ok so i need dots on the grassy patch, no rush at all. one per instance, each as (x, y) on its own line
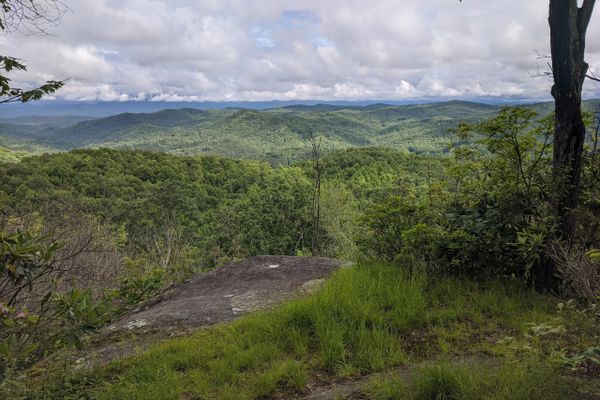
(467, 316)
(366, 319)
(353, 326)
(471, 381)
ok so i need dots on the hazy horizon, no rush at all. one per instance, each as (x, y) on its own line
(107, 108)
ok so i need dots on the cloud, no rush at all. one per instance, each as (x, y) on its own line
(192, 50)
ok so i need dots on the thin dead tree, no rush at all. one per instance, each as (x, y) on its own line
(594, 137)
(316, 200)
(596, 131)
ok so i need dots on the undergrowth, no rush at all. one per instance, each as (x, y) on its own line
(471, 382)
(366, 319)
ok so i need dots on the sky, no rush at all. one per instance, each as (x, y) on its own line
(263, 50)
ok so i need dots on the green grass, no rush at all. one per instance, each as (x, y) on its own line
(366, 319)
(469, 315)
(446, 381)
(354, 325)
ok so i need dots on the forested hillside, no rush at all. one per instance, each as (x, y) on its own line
(184, 217)
(446, 246)
(24, 136)
(279, 136)
(204, 199)
(216, 200)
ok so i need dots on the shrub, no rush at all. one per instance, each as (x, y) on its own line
(140, 281)
(578, 271)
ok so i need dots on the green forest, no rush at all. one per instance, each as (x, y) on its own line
(466, 239)
(277, 135)
(141, 222)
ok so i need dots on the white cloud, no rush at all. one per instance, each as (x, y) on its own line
(191, 50)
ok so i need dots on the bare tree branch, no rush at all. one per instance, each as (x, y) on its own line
(30, 17)
(593, 77)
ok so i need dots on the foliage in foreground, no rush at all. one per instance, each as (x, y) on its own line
(492, 214)
(366, 319)
(119, 247)
(484, 213)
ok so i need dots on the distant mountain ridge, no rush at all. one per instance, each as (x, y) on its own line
(98, 109)
(278, 135)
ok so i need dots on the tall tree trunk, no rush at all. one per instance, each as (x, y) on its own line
(568, 28)
(316, 206)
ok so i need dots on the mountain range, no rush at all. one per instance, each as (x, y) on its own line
(278, 135)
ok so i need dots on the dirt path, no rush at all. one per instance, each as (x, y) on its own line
(215, 297)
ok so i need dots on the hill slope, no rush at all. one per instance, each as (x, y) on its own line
(278, 135)
(13, 149)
